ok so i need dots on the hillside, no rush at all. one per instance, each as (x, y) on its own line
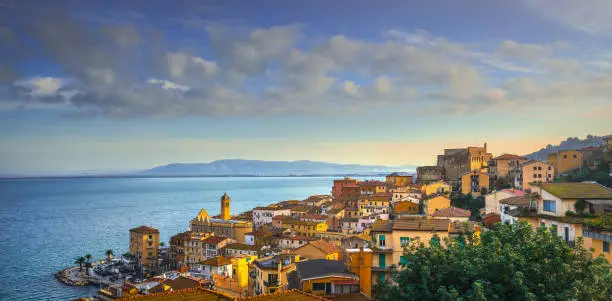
(569, 143)
(268, 168)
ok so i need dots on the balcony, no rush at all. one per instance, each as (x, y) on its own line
(382, 249)
(597, 233)
(273, 283)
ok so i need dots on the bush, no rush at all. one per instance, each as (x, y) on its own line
(511, 262)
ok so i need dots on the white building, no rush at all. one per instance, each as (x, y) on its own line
(217, 265)
(492, 199)
(249, 239)
(264, 215)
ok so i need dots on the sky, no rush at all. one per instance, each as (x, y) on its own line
(100, 86)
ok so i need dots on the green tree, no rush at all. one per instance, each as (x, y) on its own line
(88, 257)
(161, 243)
(579, 205)
(109, 254)
(80, 261)
(511, 262)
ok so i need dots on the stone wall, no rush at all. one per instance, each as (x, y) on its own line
(429, 174)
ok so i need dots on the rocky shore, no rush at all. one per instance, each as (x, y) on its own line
(72, 276)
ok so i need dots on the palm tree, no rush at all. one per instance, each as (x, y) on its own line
(88, 257)
(161, 244)
(87, 267)
(109, 254)
(80, 261)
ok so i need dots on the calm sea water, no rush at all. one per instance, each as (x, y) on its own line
(46, 223)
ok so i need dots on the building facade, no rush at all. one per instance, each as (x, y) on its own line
(565, 161)
(144, 244)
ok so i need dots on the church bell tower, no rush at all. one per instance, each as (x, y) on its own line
(225, 207)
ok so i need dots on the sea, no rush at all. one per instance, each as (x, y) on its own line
(46, 223)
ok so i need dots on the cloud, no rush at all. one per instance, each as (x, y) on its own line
(592, 16)
(167, 85)
(524, 52)
(40, 86)
(124, 71)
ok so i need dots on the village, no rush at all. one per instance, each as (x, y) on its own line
(342, 245)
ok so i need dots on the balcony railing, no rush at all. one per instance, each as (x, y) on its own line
(273, 283)
(604, 235)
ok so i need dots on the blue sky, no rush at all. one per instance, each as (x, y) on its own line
(90, 86)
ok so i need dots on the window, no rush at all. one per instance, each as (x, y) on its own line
(550, 206)
(574, 156)
(404, 241)
(381, 240)
(403, 260)
(606, 247)
(539, 167)
(539, 175)
(549, 168)
(150, 236)
(535, 168)
(535, 175)
(564, 156)
(318, 286)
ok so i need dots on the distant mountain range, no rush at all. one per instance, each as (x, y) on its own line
(569, 143)
(238, 167)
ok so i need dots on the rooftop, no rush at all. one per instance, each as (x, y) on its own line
(452, 212)
(509, 157)
(325, 247)
(421, 224)
(191, 294)
(144, 230)
(382, 226)
(523, 200)
(585, 190)
(320, 267)
(217, 261)
(240, 246)
(399, 174)
(214, 239)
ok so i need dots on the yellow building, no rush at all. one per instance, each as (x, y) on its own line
(304, 228)
(318, 249)
(558, 198)
(565, 161)
(598, 240)
(399, 179)
(144, 243)
(224, 226)
(359, 262)
(475, 182)
(535, 172)
(324, 277)
(437, 203)
(240, 269)
(439, 187)
(269, 275)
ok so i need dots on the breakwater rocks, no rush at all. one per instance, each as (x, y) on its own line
(71, 276)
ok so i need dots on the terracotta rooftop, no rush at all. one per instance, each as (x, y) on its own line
(382, 226)
(144, 229)
(213, 240)
(240, 246)
(452, 212)
(191, 294)
(325, 247)
(314, 216)
(585, 190)
(509, 157)
(334, 210)
(217, 261)
(421, 224)
(523, 200)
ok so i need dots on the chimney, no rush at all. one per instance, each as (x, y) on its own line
(485, 147)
